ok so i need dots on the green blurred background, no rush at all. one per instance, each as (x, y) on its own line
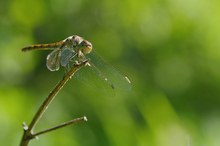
(170, 50)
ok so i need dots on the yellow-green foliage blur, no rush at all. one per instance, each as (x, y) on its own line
(170, 50)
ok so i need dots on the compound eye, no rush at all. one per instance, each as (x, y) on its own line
(77, 40)
(86, 47)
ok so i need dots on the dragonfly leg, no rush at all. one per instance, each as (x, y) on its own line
(76, 62)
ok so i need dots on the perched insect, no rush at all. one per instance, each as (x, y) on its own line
(73, 47)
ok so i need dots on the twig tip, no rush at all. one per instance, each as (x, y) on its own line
(85, 118)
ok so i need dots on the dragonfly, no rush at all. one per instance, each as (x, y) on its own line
(74, 49)
(63, 51)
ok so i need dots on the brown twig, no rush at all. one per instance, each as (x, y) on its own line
(28, 130)
(74, 121)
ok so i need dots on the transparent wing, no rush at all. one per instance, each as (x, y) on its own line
(66, 55)
(110, 74)
(53, 60)
(106, 75)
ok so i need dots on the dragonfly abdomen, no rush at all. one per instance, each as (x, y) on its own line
(42, 46)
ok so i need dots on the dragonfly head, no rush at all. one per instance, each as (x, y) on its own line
(85, 46)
